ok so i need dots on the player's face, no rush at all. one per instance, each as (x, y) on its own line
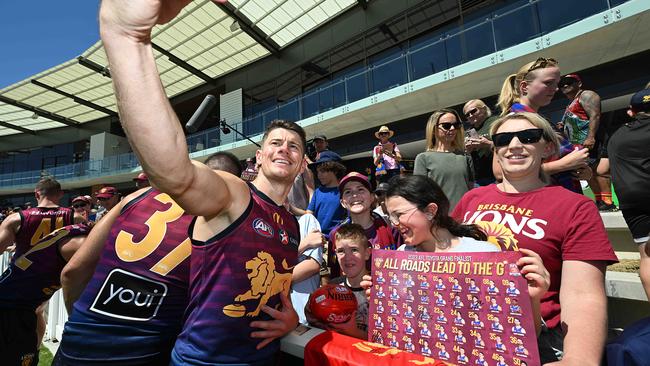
(281, 156)
(540, 90)
(356, 198)
(519, 160)
(352, 256)
(411, 222)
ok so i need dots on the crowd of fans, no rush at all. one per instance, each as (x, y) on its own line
(458, 193)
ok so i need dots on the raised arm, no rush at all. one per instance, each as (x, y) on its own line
(150, 123)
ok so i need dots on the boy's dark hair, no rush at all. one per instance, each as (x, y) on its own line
(287, 125)
(224, 161)
(47, 187)
(352, 232)
(332, 166)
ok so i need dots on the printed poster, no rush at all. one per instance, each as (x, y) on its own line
(464, 308)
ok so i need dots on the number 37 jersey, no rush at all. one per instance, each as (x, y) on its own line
(138, 292)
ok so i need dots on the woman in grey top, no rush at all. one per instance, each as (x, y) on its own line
(444, 160)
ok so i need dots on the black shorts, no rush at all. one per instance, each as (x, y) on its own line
(638, 220)
(18, 337)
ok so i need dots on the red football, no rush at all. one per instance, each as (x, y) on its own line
(332, 304)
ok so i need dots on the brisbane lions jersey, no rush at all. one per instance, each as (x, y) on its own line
(37, 222)
(33, 277)
(233, 275)
(138, 293)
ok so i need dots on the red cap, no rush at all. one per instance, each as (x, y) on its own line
(354, 176)
(81, 198)
(141, 177)
(572, 76)
(107, 192)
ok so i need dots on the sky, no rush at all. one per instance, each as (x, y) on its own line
(36, 35)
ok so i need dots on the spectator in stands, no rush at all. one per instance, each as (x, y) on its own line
(82, 206)
(352, 252)
(107, 197)
(478, 140)
(444, 160)
(581, 122)
(386, 155)
(320, 144)
(357, 198)
(565, 228)
(531, 88)
(380, 196)
(141, 181)
(630, 164)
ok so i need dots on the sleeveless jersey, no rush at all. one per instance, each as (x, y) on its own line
(232, 275)
(33, 277)
(138, 293)
(37, 222)
(576, 122)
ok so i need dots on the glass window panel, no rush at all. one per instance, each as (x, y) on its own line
(428, 60)
(551, 18)
(356, 87)
(389, 74)
(310, 104)
(523, 20)
(290, 110)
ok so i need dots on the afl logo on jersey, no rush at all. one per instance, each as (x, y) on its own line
(262, 228)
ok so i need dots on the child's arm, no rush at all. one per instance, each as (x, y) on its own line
(349, 328)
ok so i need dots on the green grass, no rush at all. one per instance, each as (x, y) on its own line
(45, 357)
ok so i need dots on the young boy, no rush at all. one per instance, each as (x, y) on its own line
(352, 252)
(325, 203)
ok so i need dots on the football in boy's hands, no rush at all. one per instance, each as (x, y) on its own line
(332, 304)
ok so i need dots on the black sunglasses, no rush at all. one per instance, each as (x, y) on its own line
(448, 125)
(77, 205)
(471, 112)
(529, 136)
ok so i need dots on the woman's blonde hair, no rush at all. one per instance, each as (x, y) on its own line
(479, 104)
(510, 93)
(432, 124)
(548, 134)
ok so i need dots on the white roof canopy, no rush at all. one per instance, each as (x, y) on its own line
(206, 41)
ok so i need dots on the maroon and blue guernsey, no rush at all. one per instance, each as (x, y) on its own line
(34, 276)
(233, 275)
(37, 222)
(131, 310)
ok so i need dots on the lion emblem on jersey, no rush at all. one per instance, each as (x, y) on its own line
(499, 235)
(265, 282)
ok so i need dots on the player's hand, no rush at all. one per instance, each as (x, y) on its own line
(366, 283)
(589, 142)
(532, 268)
(314, 239)
(283, 322)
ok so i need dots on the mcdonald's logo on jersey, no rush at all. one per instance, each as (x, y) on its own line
(278, 219)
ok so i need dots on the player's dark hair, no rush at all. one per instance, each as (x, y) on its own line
(287, 125)
(421, 191)
(48, 186)
(352, 232)
(224, 161)
(333, 166)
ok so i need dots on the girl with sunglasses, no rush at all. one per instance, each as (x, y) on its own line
(418, 207)
(531, 88)
(565, 228)
(444, 160)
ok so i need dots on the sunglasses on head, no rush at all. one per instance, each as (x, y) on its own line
(542, 63)
(448, 125)
(529, 136)
(78, 205)
(471, 112)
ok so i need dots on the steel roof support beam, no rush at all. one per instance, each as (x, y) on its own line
(251, 29)
(41, 112)
(183, 64)
(103, 70)
(363, 3)
(17, 128)
(76, 99)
